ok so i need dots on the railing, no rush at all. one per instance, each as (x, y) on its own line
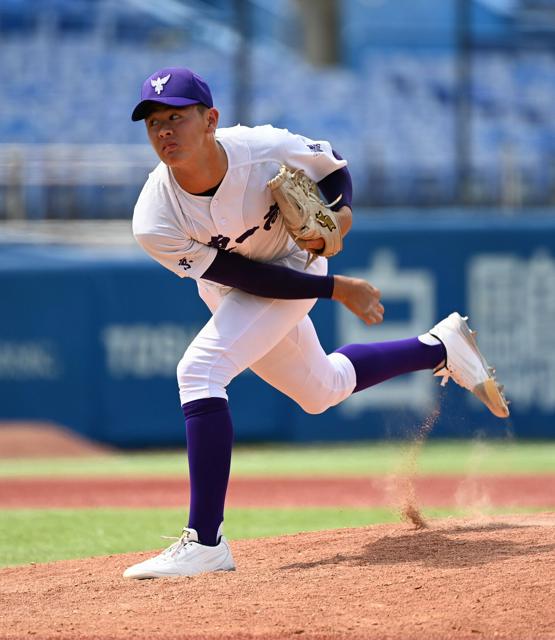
(102, 181)
(71, 181)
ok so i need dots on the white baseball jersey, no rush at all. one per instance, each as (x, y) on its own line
(184, 231)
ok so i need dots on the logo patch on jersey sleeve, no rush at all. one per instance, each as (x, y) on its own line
(316, 148)
(185, 263)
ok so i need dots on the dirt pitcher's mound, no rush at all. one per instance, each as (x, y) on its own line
(44, 440)
(458, 579)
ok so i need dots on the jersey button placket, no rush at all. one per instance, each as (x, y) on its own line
(215, 203)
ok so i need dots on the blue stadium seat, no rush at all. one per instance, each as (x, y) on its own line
(393, 116)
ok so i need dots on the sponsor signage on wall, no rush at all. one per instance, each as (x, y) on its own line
(93, 344)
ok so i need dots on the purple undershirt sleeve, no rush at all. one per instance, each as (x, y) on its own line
(267, 280)
(338, 182)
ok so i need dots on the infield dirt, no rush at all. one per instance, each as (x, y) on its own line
(44, 439)
(475, 493)
(489, 578)
(456, 579)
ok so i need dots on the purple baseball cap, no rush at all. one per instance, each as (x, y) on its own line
(174, 86)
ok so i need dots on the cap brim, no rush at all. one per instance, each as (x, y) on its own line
(144, 107)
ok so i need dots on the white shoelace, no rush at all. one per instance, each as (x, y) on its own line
(180, 541)
(445, 374)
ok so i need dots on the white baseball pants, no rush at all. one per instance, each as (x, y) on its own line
(275, 339)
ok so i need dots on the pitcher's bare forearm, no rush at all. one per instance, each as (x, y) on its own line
(360, 297)
(345, 219)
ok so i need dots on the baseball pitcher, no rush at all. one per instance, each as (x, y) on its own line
(252, 215)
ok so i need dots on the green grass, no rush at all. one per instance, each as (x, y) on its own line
(28, 535)
(364, 458)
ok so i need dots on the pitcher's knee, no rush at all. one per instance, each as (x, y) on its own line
(199, 379)
(314, 405)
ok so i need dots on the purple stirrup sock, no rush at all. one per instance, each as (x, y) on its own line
(209, 442)
(380, 361)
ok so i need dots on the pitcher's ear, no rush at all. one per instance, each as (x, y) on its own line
(213, 117)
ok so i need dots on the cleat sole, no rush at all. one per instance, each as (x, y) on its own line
(491, 395)
(489, 392)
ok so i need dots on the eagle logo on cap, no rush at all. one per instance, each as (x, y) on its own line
(158, 84)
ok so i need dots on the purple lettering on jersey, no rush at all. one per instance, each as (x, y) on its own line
(219, 242)
(248, 233)
(185, 263)
(271, 216)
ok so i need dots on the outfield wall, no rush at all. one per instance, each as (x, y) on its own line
(90, 339)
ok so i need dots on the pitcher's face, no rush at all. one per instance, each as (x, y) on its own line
(178, 135)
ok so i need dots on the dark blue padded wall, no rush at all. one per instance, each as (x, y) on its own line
(91, 339)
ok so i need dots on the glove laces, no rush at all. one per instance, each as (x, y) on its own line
(309, 189)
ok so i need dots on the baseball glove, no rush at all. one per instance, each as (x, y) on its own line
(305, 216)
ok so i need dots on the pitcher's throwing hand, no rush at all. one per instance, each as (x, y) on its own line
(360, 297)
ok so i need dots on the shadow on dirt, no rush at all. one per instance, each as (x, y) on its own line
(435, 548)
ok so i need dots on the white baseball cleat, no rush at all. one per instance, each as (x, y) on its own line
(185, 557)
(466, 365)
